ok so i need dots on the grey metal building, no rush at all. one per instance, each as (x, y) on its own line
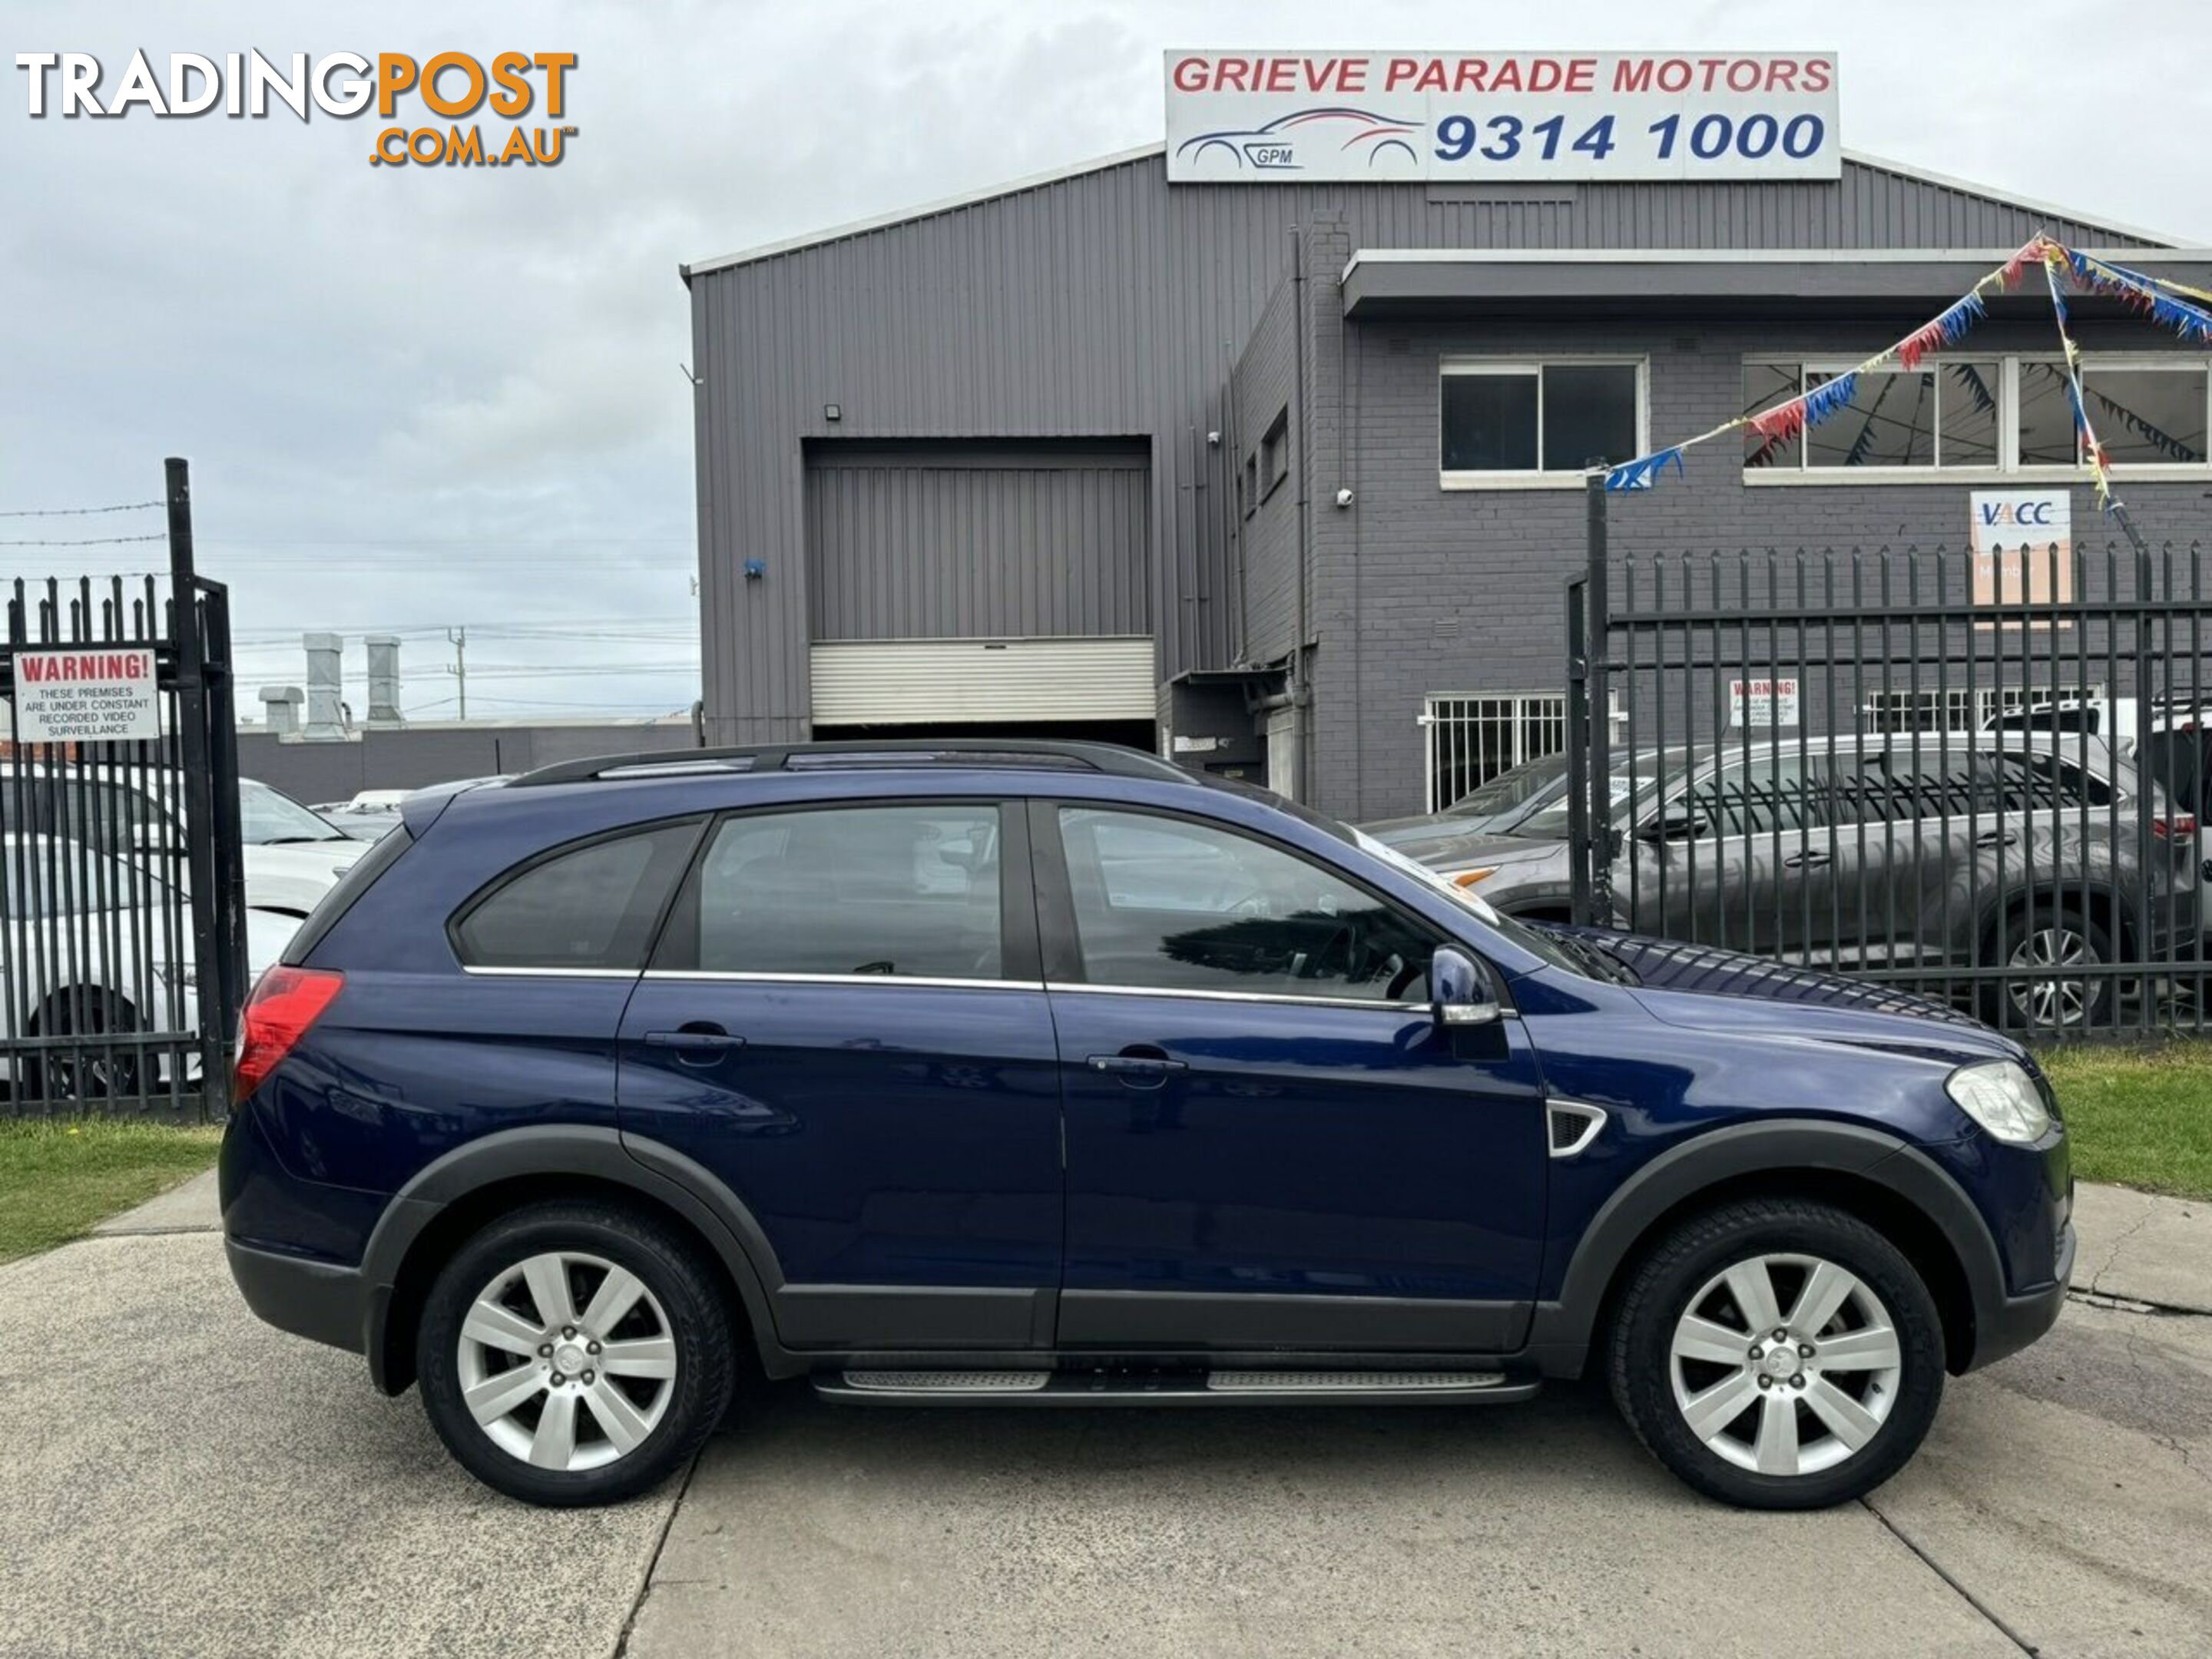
(1284, 479)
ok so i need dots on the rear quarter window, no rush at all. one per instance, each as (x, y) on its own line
(596, 905)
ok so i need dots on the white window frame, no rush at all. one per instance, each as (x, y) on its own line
(1542, 477)
(1525, 720)
(2009, 469)
(1879, 711)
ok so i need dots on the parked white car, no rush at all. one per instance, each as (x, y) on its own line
(92, 945)
(292, 858)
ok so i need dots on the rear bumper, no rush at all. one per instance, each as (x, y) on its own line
(319, 1300)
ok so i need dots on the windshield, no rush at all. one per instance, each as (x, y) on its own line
(1535, 944)
(1550, 822)
(266, 818)
(1524, 786)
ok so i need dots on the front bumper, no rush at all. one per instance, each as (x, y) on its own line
(319, 1300)
(2017, 1321)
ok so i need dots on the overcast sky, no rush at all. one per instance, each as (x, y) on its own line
(417, 399)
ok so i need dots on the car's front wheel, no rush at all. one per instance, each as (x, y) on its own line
(1779, 1353)
(574, 1353)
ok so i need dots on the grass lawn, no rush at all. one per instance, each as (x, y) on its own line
(2139, 1116)
(58, 1179)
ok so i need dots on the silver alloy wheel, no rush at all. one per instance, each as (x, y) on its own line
(1780, 1392)
(567, 1361)
(2063, 999)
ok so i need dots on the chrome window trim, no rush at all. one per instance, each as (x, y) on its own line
(1059, 987)
(486, 972)
(924, 981)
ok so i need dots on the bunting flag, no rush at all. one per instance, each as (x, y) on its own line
(2186, 311)
(2056, 259)
(1786, 420)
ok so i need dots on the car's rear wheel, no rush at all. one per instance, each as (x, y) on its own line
(88, 1070)
(1777, 1353)
(2051, 954)
(574, 1353)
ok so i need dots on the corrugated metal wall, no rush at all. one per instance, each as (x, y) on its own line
(1108, 304)
(935, 542)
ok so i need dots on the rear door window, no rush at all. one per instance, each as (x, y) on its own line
(906, 890)
(593, 906)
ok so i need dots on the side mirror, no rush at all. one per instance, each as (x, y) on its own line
(1679, 823)
(1459, 989)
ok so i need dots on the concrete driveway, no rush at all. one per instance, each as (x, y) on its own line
(182, 1480)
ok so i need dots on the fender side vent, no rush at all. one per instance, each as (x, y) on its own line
(1572, 1126)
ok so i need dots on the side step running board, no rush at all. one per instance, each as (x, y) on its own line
(1149, 1388)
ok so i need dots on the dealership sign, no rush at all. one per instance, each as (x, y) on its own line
(1290, 118)
(2023, 546)
(105, 696)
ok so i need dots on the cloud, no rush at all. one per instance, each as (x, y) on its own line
(434, 397)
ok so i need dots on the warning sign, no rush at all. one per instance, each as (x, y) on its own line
(86, 696)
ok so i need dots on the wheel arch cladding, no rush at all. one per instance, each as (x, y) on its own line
(474, 1184)
(1888, 1184)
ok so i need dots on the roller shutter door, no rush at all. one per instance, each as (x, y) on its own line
(916, 682)
(978, 581)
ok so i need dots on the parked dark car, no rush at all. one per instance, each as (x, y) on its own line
(1048, 1074)
(2011, 850)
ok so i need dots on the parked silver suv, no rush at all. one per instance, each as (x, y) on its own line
(2015, 851)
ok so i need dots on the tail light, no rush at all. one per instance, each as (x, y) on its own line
(284, 1002)
(2177, 826)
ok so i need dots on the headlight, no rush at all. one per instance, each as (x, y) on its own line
(2003, 1098)
(1470, 878)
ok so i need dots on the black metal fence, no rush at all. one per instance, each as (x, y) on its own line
(1979, 777)
(122, 910)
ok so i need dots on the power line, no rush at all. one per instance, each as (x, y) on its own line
(92, 541)
(75, 511)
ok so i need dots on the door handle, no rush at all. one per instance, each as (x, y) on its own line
(698, 1043)
(1807, 860)
(1137, 1071)
(1998, 838)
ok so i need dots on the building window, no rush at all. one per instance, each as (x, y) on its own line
(2146, 415)
(1500, 420)
(1989, 413)
(1473, 738)
(1957, 709)
(1248, 484)
(1275, 453)
(1945, 414)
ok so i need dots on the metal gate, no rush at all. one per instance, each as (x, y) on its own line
(1983, 783)
(121, 887)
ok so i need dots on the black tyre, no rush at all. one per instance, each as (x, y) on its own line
(2046, 950)
(91, 1072)
(1778, 1354)
(574, 1353)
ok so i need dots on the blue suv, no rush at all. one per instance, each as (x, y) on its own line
(1050, 1074)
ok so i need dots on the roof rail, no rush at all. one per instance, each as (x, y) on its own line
(856, 754)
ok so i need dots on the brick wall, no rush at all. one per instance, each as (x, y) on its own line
(1421, 590)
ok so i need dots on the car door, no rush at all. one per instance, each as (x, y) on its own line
(1270, 1144)
(1743, 859)
(844, 1022)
